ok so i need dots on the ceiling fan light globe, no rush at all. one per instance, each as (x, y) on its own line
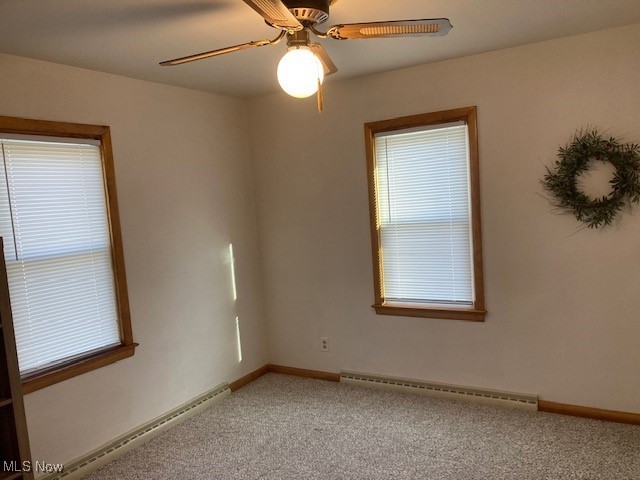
(299, 72)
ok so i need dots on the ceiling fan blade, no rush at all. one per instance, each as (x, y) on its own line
(275, 13)
(212, 53)
(325, 59)
(401, 28)
(222, 51)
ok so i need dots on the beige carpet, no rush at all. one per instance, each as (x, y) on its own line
(282, 427)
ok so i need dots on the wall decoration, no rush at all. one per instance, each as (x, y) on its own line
(587, 146)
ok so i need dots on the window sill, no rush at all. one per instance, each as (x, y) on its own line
(467, 314)
(39, 380)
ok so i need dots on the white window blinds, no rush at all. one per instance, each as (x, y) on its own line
(53, 219)
(422, 180)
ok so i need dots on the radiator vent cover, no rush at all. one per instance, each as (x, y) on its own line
(442, 390)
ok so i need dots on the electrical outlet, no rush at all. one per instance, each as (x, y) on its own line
(324, 344)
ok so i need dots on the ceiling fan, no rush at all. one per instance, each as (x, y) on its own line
(302, 70)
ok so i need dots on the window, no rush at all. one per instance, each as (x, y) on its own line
(425, 215)
(62, 247)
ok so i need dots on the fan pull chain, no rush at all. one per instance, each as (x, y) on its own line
(319, 96)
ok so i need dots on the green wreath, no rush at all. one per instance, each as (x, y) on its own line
(575, 158)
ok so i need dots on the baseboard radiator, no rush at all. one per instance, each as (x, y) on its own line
(442, 390)
(136, 437)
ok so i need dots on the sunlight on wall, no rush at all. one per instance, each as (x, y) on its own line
(232, 262)
(233, 271)
(239, 342)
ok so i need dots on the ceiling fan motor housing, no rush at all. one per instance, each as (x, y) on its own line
(309, 11)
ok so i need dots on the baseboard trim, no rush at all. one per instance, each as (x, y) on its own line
(241, 382)
(99, 457)
(588, 412)
(281, 369)
(303, 372)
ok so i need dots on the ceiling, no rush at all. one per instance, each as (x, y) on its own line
(130, 37)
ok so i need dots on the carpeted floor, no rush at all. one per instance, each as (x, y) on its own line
(282, 427)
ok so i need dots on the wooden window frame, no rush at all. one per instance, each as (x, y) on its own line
(477, 311)
(85, 363)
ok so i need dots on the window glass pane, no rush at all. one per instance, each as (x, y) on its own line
(53, 218)
(422, 179)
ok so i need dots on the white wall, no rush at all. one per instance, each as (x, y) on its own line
(186, 191)
(563, 310)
